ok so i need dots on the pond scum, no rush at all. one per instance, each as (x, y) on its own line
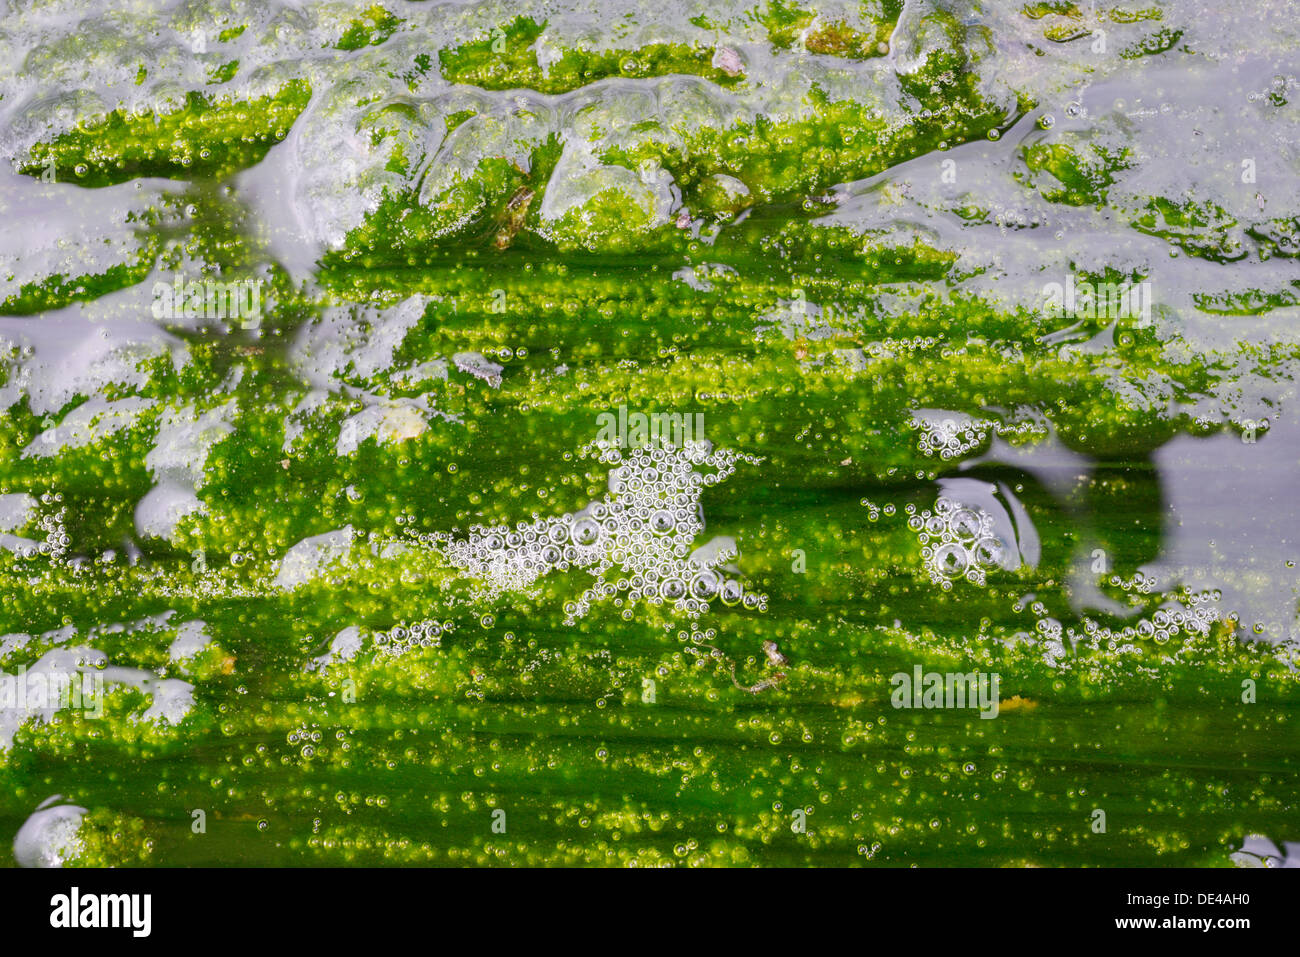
(386, 566)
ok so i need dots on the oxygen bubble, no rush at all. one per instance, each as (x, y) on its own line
(704, 585)
(731, 592)
(950, 559)
(988, 552)
(586, 532)
(672, 589)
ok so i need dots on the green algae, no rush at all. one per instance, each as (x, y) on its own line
(52, 292)
(489, 336)
(508, 60)
(788, 23)
(372, 29)
(207, 137)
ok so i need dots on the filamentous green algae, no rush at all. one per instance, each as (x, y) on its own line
(840, 433)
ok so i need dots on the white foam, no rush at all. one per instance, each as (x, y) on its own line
(49, 837)
(305, 560)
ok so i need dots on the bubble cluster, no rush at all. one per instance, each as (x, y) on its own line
(950, 435)
(1186, 615)
(636, 541)
(957, 541)
(305, 736)
(403, 637)
(698, 645)
(1141, 583)
(398, 640)
(53, 528)
(949, 438)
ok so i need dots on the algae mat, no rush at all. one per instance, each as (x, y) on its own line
(782, 433)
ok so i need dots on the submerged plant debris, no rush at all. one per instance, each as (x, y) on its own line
(589, 432)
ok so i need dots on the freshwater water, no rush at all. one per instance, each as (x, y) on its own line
(314, 319)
